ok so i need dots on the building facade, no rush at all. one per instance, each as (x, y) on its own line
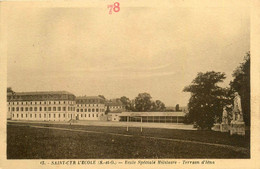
(115, 106)
(90, 107)
(41, 106)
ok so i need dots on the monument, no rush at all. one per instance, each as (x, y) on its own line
(224, 127)
(237, 123)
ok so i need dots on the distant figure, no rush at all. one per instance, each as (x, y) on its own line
(237, 110)
(224, 116)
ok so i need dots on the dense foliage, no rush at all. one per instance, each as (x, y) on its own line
(241, 84)
(207, 98)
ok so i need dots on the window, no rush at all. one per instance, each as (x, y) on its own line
(26, 115)
(22, 115)
(97, 115)
(31, 115)
(59, 102)
(85, 115)
(21, 108)
(31, 108)
(13, 109)
(17, 115)
(54, 102)
(59, 108)
(64, 108)
(77, 110)
(64, 115)
(89, 110)
(96, 110)
(49, 115)
(81, 115)
(59, 115)
(17, 108)
(40, 102)
(81, 110)
(44, 115)
(40, 108)
(85, 110)
(35, 115)
(54, 115)
(93, 110)
(54, 108)
(93, 115)
(26, 108)
(88, 115)
(49, 108)
(35, 108)
(13, 115)
(64, 102)
(45, 108)
(40, 115)
(35, 102)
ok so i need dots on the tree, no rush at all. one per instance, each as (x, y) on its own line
(143, 102)
(157, 105)
(126, 102)
(177, 107)
(241, 84)
(207, 98)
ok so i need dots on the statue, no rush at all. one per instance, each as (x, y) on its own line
(224, 116)
(237, 110)
(237, 123)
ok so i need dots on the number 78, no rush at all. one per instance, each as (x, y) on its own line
(115, 7)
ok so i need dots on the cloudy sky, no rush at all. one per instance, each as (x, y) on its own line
(151, 49)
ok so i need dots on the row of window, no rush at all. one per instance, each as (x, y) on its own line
(90, 110)
(40, 115)
(41, 108)
(50, 115)
(89, 115)
(80, 105)
(88, 100)
(45, 102)
(114, 107)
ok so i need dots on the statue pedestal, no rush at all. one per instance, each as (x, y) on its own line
(224, 127)
(216, 127)
(237, 128)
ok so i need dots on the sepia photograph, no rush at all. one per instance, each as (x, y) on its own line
(127, 80)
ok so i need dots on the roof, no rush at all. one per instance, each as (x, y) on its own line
(89, 100)
(152, 114)
(42, 93)
(40, 96)
(114, 102)
(88, 97)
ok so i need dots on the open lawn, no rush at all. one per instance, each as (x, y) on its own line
(58, 141)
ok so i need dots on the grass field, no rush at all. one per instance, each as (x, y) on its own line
(25, 142)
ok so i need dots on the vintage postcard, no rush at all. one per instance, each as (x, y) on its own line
(129, 84)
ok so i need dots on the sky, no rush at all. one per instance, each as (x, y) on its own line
(158, 50)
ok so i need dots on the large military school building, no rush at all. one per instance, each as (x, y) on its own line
(65, 106)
